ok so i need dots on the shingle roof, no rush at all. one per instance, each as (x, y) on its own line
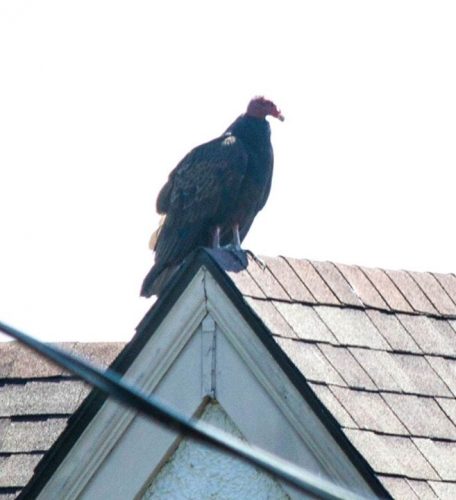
(36, 400)
(378, 349)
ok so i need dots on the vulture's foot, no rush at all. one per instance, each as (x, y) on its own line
(237, 252)
(231, 247)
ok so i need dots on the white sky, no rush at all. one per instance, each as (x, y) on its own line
(100, 99)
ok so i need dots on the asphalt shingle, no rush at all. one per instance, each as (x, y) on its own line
(418, 377)
(351, 327)
(305, 322)
(435, 292)
(380, 366)
(399, 488)
(313, 281)
(412, 292)
(422, 416)
(434, 336)
(446, 369)
(448, 282)
(16, 470)
(442, 456)
(369, 410)
(36, 398)
(387, 289)
(246, 284)
(269, 285)
(337, 283)
(21, 362)
(444, 490)
(422, 489)
(101, 353)
(393, 331)
(10, 496)
(289, 280)
(333, 405)
(449, 407)
(392, 455)
(310, 361)
(28, 436)
(271, 317)
(347, 366)
(363, 288)
(41, 398)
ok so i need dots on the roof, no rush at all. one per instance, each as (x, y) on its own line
(36, 400)
(378, 348)
(373, 350)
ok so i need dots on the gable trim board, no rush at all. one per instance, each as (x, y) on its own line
(201, 298)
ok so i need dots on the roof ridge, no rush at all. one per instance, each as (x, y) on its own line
(356, 265)
(309, 281)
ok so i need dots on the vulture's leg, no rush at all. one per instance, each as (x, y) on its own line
(236, 238)
(216, 238)
(235, 245)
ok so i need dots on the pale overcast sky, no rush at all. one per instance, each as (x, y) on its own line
(100, 99)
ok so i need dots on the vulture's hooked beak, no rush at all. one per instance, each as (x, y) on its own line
(278, 114)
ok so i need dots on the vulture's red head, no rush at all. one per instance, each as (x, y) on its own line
(260, 107)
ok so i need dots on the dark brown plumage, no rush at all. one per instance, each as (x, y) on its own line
(214, 193)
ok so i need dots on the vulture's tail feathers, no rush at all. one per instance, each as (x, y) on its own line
(154, 237)
(156, 280)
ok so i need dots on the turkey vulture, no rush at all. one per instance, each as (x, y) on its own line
(214, 193)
